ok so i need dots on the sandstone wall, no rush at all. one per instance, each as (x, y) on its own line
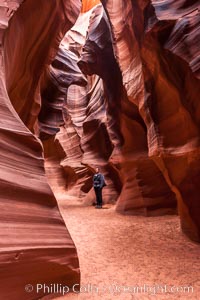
(99, 125)
(121, 93)
(35, 245)
(156, 46)
(144, 113)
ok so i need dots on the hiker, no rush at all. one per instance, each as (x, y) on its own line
(98, 184)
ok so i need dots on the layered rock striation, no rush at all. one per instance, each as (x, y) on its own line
(35, 245)
(156, 46)
(118, 90)
(99, 125)
(80, 115)
(135, 112)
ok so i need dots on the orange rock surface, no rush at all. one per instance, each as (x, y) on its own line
(98, 125)
(141, 125)
(88, 4)
(160, 71)
(35, 245)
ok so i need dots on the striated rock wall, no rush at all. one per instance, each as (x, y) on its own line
(24, 82)
(74, 104)
(156, 46)
(35, 245)
(128, 129)
(122, 94)
(97, 125)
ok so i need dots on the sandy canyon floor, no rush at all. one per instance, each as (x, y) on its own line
(118, 253)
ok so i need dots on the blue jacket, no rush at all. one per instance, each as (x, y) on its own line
(98, 180)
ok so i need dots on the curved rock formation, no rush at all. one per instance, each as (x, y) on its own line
(79, 111)
(128, 132)
(98, 111)
(121, 93)
(35, 244)
(24, 83)
(144, 125)
(154, 44)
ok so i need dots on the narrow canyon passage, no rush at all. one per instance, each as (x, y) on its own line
(129, 250)
(110, 85)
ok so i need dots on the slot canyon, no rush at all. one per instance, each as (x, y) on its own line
(113, 84)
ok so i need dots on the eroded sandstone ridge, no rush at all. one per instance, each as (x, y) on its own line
(35, 246)
(156, 44)
(122, 94)
(97, 125)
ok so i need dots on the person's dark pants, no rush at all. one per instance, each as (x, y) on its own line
(98, 192)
